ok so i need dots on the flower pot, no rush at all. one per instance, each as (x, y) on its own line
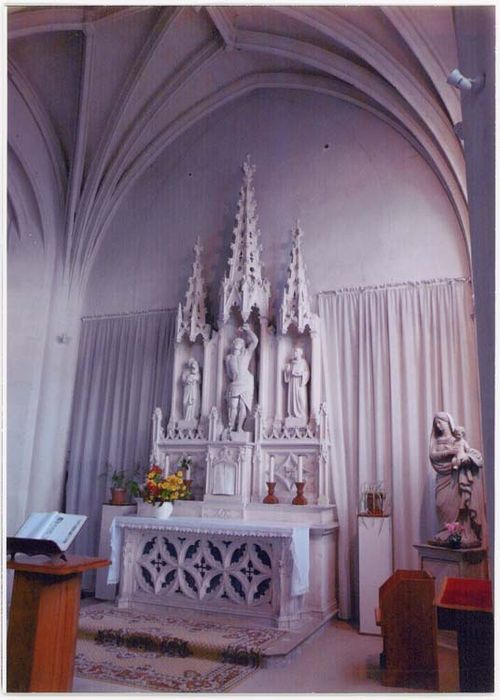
(118, 497)
(374, 503)
(148, 510)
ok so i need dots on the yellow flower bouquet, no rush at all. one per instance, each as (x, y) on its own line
(158, 488)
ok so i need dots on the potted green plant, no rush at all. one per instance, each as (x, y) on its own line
(119, 487)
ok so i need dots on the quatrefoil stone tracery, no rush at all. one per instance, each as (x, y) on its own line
(206, 568)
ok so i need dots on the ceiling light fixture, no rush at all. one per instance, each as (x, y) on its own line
(459, 81)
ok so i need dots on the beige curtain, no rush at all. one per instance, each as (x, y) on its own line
(392, 357)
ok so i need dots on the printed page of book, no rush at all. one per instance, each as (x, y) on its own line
(34, 526)
(64, 529)
(61, 528)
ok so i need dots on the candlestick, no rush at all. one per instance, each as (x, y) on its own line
(300, 499)
(270, 498)
(167, 464)
(271, 468)
(188, 473)
(300, 476)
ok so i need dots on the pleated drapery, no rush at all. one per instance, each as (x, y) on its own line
(124, 371)
(393, 357)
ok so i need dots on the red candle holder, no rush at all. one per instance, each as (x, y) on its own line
(270, 498)
(300, 499)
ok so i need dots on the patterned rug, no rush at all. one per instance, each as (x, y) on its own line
(161, 653)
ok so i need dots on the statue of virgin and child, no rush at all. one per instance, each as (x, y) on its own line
(459, 484)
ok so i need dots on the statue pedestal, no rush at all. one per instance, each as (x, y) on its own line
(441, 562)
(240, 436)
(187, 424)
(291, 422)
(375, 566)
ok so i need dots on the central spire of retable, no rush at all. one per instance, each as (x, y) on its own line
(243, 286)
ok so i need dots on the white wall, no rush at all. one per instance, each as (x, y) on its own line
(28, 281)
(371, 208)
(40, 375)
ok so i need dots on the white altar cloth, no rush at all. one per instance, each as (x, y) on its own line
(299, 539)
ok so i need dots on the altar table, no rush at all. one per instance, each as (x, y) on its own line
(256, 569)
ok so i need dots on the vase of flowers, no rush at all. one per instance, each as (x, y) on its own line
(455, 531)
(159, 510)
(156, 494)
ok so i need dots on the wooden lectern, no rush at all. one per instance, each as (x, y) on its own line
(43, 622)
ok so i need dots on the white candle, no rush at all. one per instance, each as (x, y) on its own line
(271, 468)
(300, 475)
(188, 473)
(167, 465)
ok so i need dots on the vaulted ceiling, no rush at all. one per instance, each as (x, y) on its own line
(97, 93)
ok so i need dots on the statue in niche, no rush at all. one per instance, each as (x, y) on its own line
(191, 378)
(296, 375)
(459, 489)
(241, 381)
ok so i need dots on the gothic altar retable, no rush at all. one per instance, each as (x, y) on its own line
(248, 408)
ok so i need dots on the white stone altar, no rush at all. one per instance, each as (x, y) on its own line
(248, 408)
(253, 569)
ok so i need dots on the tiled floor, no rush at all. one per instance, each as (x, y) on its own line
(335, 660)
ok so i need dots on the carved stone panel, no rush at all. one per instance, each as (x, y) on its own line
(206, 568)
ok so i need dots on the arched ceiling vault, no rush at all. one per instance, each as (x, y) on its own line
(181, 64)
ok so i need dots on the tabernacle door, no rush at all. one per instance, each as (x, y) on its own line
(224, 479)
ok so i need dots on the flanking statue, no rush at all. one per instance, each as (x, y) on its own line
(296, 374)
(240, 389)
(459, 486)
(191, 379)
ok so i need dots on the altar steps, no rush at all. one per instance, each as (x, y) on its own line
(201, 635)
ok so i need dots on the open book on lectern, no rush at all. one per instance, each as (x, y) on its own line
(46, 533)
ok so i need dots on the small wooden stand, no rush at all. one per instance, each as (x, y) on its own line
(43, 622)
(270, 498)
(32, 546)
(300, 499)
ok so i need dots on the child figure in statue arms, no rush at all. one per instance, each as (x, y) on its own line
(461, 446)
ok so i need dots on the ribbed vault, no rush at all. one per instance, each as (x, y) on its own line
(138, 77)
